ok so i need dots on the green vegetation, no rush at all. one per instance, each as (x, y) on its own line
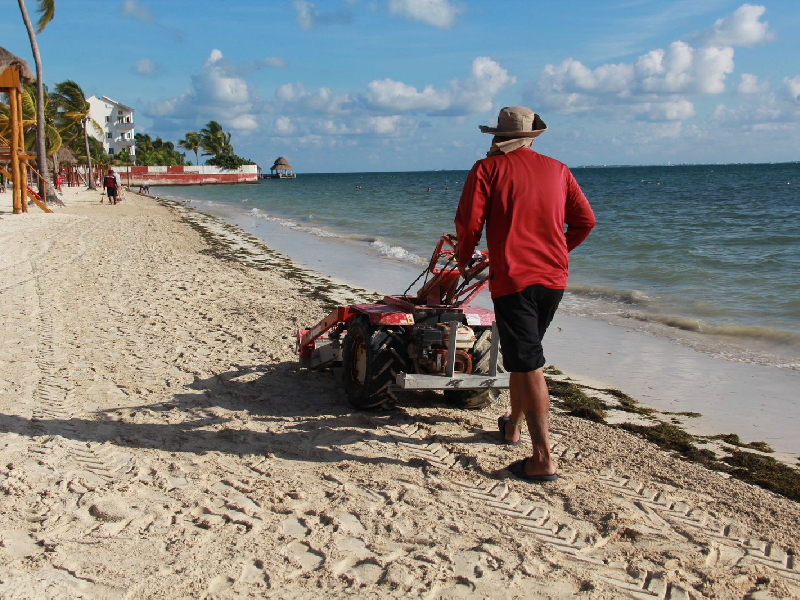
(628, 404)
(734, 440)
(571, 398)
(691, 415)
(151, 151)
(30, 100)
(46, 9)
(670, 437)
(766, 472)
(228, 161)
(74, 118)
(192, 142)
(217, 144)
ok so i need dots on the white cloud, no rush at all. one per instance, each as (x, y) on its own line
(308, 16)
(387, 125)
(295, 98)
(132, 8)
(243, 123)
(763, 109)
(283, 126)
(389, 97)
(216, 91)
(666, 71)
(677, 110)
(397, 96)
(743, 28)
(750, 84)
(712, 66)
(660, 83)
(792, 86)
(439, 13)
(472, 95)
(306, 13)
(216, 86)
(145, 67)
(273, 61)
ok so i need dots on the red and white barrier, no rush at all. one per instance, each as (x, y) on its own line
(195, 175)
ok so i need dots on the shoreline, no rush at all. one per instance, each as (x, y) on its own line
(698, 315)
(153, 419)
(748, 399)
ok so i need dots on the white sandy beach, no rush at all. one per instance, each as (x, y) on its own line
(158, 439)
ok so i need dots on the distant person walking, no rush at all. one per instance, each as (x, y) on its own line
(524, 198)
(119, 185)
(111, 186)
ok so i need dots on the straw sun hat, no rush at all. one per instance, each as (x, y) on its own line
(516, 122)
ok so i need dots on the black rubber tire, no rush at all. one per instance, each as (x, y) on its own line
(476, 399)
(371, 359)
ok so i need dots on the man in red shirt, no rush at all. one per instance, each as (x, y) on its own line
(525, 199)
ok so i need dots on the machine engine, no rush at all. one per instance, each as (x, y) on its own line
(428, 350)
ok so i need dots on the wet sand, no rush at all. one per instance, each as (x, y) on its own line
(158, 439)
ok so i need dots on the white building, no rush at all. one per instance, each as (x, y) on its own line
(117, 122)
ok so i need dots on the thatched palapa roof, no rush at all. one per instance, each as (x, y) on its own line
(66, 155)
(10, 60)
(281, 164)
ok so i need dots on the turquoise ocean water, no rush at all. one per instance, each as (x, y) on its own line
(708, 255)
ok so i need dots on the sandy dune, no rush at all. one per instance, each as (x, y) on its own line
(158, 439)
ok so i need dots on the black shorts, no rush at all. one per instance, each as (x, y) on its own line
(111, 191)
(522, 320)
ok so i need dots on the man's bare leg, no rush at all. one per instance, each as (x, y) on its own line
(530, 400)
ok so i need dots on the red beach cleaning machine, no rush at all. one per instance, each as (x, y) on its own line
(433, 340)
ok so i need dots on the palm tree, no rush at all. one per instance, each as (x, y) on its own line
(192, 142)
(46, 12)
(214, 140)
(73, 109)
(30, 121)
(30, 116)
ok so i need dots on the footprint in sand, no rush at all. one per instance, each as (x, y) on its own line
(294, 527)
(349, 523)
(302, 554)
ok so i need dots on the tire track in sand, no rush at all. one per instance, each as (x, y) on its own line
(574, 538)
(723, 540)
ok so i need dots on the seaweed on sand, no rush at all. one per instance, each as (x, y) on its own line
(571, 398)
(685, 413)
(734, 440)
(627, 403)
(766, 472)
(670, 437)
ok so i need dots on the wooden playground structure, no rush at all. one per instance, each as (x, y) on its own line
(13, 72)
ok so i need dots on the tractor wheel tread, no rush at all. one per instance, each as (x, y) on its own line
(384, 358)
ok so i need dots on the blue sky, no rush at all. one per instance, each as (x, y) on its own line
(399, 85)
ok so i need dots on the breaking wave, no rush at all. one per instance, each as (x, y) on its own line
(397, 253)
(315, 231)
(743, 332)
(633, 297)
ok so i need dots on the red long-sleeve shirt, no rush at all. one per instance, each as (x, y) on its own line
(525, 199)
